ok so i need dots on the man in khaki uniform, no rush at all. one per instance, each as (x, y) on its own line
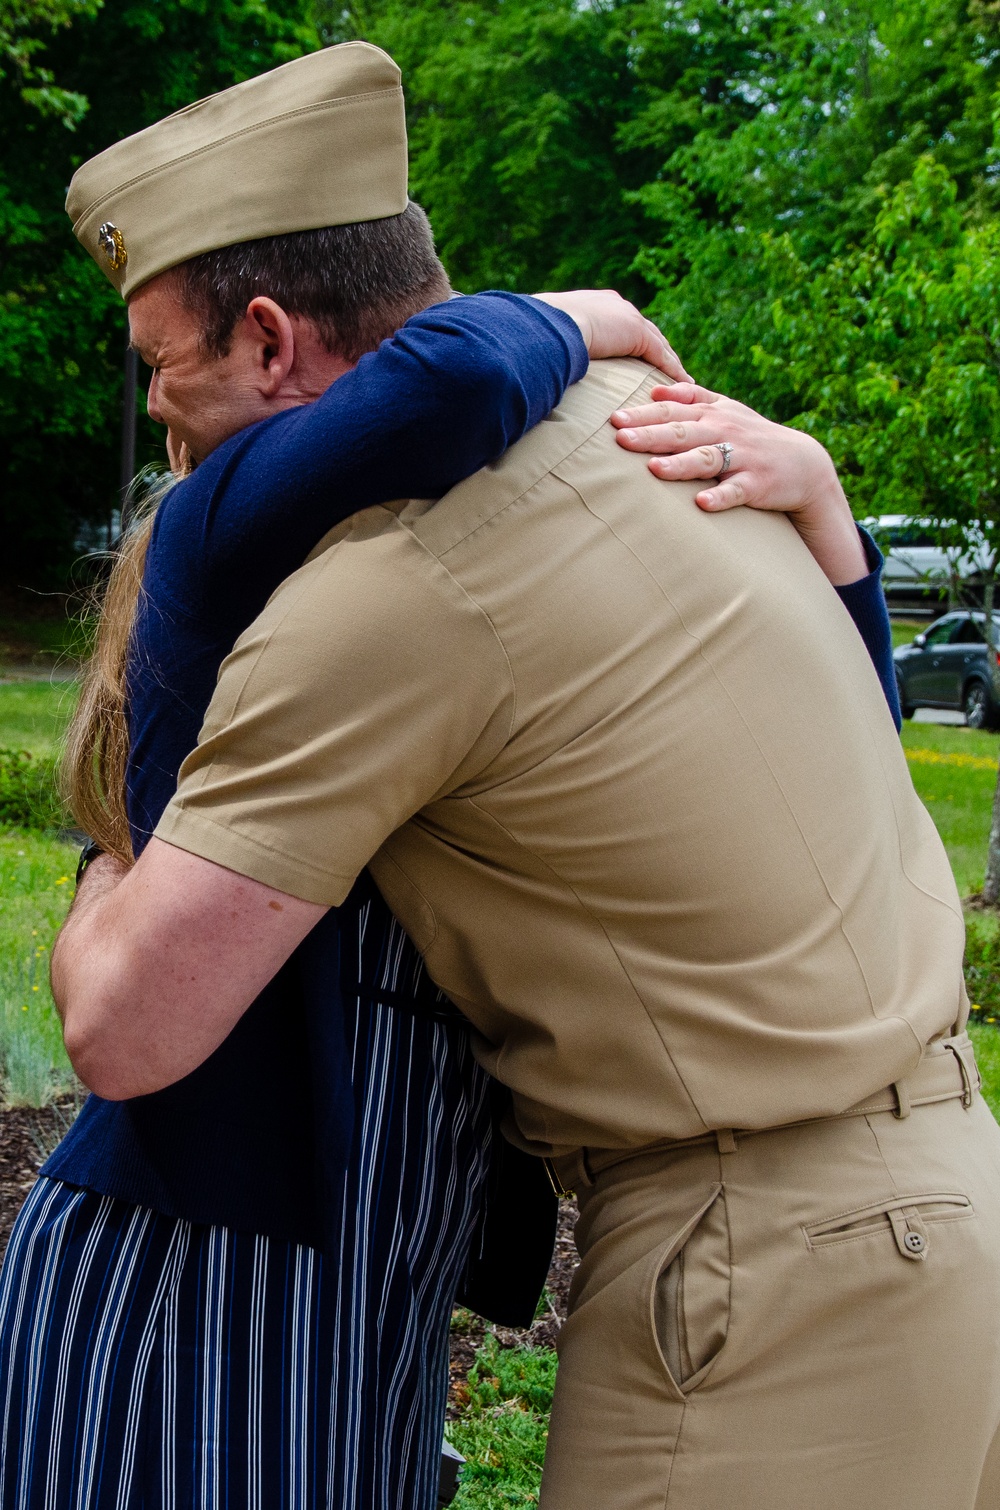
(624, 772)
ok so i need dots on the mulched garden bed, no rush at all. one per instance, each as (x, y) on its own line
(28, 1136)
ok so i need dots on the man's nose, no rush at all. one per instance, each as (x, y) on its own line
(152, 402)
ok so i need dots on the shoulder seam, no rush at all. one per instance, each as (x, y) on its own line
(549, 471)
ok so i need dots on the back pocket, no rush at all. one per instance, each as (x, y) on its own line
(907, 1218)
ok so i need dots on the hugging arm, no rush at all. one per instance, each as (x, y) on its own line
(157, 964)
(448, 393)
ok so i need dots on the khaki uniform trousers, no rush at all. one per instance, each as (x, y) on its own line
(801, 1319)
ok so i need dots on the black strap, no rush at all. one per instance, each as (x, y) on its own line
(437, 1010)
(88, 855)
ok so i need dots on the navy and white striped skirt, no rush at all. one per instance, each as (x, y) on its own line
(146, 1361)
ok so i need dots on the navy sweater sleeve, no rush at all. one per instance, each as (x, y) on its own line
(449, 392)
(865, 602)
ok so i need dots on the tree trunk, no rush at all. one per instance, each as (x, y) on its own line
(991, 886)
(989, 591)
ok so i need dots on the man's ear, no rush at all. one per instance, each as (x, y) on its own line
(271, 338)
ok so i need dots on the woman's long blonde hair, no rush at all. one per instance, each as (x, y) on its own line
(95, 759)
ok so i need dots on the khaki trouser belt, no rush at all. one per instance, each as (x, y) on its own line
(947, 1071)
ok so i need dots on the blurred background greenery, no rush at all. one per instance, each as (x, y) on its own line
(803, 194)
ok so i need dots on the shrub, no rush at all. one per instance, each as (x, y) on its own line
(982, 966)
(29, 791)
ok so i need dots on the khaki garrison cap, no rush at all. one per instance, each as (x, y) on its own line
(320, 141)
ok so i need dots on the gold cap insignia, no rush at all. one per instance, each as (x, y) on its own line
(112, 244)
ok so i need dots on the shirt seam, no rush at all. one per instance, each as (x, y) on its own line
(385, 858)
(588, 911)
(750, 734)
(547, 470)
(482, 612)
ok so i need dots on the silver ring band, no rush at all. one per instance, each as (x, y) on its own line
(727, 455)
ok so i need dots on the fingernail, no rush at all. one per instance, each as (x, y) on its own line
(629, 435)
(622, 415)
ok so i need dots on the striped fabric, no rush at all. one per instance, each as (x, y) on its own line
(151, 1362)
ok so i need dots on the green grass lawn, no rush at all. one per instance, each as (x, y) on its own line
(503, 1427)
(33, 715)
(36, 883)
(955, 772)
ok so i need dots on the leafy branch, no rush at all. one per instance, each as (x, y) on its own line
(21, 21)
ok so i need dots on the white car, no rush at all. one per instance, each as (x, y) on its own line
(917, 559)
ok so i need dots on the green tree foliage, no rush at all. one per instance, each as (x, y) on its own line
(21, 21)
(514, 112)
(715, 159)
(846, 99)
(893, 352)
(658, 145)
(62, 327)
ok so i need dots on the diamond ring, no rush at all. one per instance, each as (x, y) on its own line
(727, 455)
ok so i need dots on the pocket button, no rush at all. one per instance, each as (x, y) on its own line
(914, 1242)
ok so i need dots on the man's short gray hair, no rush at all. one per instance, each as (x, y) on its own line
(357, 283)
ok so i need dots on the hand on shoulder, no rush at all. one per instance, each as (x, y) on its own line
(752, 462)
(612, 327)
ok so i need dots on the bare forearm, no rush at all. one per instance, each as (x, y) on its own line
(155, 965)
(829, 530)
(105, 996)
(88, 966)
(74, 945)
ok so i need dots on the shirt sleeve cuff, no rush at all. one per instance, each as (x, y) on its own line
(865, 602)
(865, 596)
(579, 356)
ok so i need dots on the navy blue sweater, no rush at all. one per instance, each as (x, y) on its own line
(238, 1142)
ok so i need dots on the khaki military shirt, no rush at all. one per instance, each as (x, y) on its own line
(622, 769)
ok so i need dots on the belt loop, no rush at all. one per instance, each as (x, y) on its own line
(967, 1086)
(726, 1139)
(902, 1095)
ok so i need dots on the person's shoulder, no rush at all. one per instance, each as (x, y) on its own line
(373, 580)
(578, 422)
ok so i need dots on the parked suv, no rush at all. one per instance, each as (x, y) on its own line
(917, 565)
(950, 665)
